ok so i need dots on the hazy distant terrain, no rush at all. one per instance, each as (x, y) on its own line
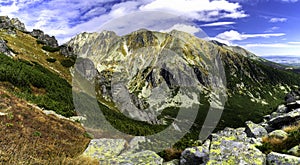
(285, 60)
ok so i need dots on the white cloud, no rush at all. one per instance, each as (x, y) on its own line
(64, 18)
(233, 35)
(267, 49)
(274, 20)
(217, 24)
(185, 28)
(289, 1)
(272, 29)
(204, 10)
(294, 43)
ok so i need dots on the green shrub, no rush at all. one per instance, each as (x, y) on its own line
(50, 49)
(52, 60)
(40, 42)
(68, 62)
(24, 75)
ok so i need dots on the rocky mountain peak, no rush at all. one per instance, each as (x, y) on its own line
(11, 24)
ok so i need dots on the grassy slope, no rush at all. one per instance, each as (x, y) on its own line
(28, 49)
(33, 137)
(35, 83)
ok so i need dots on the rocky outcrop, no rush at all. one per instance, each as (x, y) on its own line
(195, 155)
(11, 24)
(5, 49)
(117, 152)
(255, 130)
(276, 158)
(67, 51)
(232, 146)
(44, 38)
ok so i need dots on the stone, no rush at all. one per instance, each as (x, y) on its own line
(274, 158)
(45, 38)
(18, 24)
(230, 148)
(103, 149)
(144, 157)
(285, 119)
(278, 134)
(281, 109)
(295, 151)
(172, 162)
(195, 155)
(5, 49)
(67, 51)
(255, 130)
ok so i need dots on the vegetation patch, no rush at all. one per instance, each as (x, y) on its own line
(31, 137)
(282, 145)
(50, 49)
(38, 85)
(51, 60)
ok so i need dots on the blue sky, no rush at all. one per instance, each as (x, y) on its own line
(265, 27)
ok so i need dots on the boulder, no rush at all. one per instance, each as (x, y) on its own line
(144, 157)
(67, 51)
(295, 151)
(45, 38)
(195, 155)
(278, 134)
(18, 24)
(172, 162)
(255, 130)
(281, 109)
(103, 149)
(276, 158)
(5, 49)
(11, 24)
(232, 147)
(286, 119)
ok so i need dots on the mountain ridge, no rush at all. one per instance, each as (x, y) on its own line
(150, 62)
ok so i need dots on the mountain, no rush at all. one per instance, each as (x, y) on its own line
(147, 62)
(141, 84)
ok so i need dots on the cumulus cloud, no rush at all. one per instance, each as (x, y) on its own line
(233, 35)
(64, 18)
(204, 10)
(217, 24)
(185, 28)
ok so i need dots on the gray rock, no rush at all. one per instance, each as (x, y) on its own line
(231, 148)
(144, 157)
(285, 119)
(282, 159)
(103, 149)
(11, 24)
(5, 49)
(281, 109)
(195, 155)
(255, 130)
(172, 162)
(18, 24)
(49, 41)
(278, 134)
(67, 51)
(295, 151)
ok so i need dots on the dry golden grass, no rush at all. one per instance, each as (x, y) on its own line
(28, 136)
(292, 128)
